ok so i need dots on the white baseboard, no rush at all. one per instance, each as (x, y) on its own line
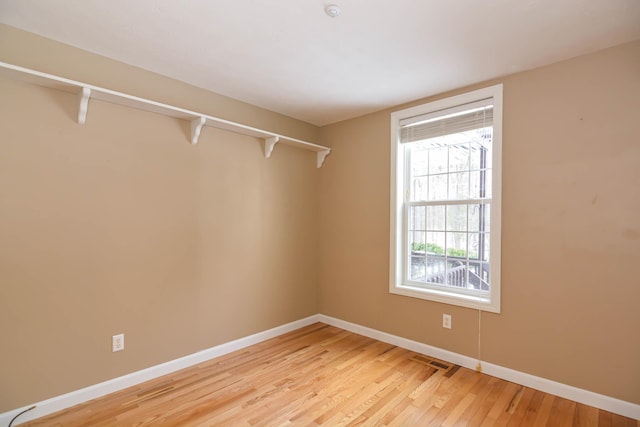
(58, 403)
(586, 397)
(64, 401)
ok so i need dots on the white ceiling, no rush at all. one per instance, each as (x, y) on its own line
(288, 56)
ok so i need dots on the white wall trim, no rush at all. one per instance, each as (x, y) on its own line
(64, 401)
(586, 397)
(67, 400)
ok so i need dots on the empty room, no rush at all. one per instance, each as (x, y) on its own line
(241, 213)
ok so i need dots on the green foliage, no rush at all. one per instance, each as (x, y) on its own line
(432, 248)
(457, 252)
(417, 247)
(435, 249)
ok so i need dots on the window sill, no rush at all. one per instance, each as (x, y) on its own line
(452, 298)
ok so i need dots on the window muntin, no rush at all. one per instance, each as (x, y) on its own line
(444, 201)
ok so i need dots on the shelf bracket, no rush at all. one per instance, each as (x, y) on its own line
(321, 156)
(269, 143)
(196, 129)
(83, 99)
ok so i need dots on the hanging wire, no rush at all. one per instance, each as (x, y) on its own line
(14, 418)
(479, 365)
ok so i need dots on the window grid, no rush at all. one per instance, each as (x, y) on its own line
(477, 262)
(451, 269)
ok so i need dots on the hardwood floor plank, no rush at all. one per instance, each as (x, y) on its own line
(321, 375)
(521, 409)
(493, 390)
(585, 416)
(466, 380)
(480, 390)
(459, 409)
(533, 408)
(545, 410)
(515, 401)
(605, 419)
(563, 411)
(499, 413)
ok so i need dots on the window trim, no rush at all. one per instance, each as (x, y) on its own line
(397, 205)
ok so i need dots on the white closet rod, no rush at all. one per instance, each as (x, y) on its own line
(198, 120)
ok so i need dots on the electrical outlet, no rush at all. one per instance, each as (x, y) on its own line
(446, 321)
(117, 342)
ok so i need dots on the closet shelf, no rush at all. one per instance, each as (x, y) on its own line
(86, 92)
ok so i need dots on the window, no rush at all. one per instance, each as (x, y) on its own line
(445, 200)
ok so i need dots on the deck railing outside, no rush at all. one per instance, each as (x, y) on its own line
(450, 271)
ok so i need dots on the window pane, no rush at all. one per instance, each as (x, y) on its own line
(487, 217)
(458, 186)
(419, 161)
(419, 189)
(417, 243)
(488, 182)
(435, 243)
(479, 217)
(480, 184)
(474, 184)
(417, 218)
(435, 218)
(486, 241)
(457, 245)
(474, 217)
(479, 246)
(457, 276)
(475, 155)
(474, 245)
(486, 285)
(459, 157)
(437, 187)
(479, 276)
(488, 152)
(438, 160)
(417, 269)
(417, 251)
(457, 217)
(436, 269)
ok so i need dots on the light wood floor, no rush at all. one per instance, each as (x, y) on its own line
(322, 375)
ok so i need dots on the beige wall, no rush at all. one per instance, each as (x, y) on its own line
(120, 225)
(571, 229)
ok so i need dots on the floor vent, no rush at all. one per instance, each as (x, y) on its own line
(434, 363)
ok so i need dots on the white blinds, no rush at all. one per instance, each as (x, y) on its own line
(475, 115)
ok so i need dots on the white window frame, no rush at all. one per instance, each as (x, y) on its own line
(399, 196)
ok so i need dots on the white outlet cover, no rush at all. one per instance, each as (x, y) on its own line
(117, 342)
(446, 321)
